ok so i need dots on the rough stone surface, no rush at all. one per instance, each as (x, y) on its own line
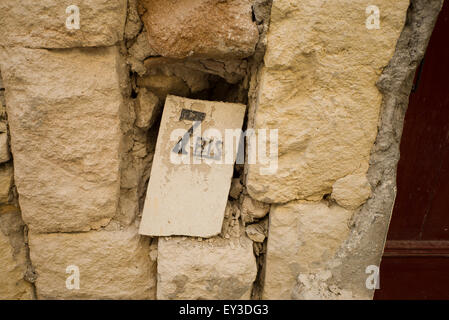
(148, 108)
(351, 191)
(201, 28)
(210, 269)
(64, 117)
(232, 70)
(253, 209)
(236, 188)
(138, 52)
(6, 179)
(302, 236)
(112, 265)
(168, 76)
(313, 286)
(257, 231)
(13, 263)
(133, 23)
(42, 24)
(318, 87)
(4, 147)
(189, 198)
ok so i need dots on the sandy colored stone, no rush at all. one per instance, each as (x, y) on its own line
(302, 237)
(4, 147)
(42, 24)
(318, 88)
(141, 48)
(13, 265)
(165, 76)
(63, 112)
(148, 108)
(369, 227)
(138, 52)
(189, 198)
(253, 209)
(315, 286)
(112, 265)
(236, 188)
(133, 23)
(6, 179)
(200, 28)
(351, 191)
(212, 269)
(257, 231)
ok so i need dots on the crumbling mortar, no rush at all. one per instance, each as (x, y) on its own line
(255, 66)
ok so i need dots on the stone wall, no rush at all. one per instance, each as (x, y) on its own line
(81, 109)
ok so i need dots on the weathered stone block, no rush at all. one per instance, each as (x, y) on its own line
(318, 87)
(13, 264)
(201, 28)
(187, 193)
(210, 269)
(42, 24)
(111, 264)
(302, 237)
(63, 111)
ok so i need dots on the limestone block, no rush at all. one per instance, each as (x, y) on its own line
(111, 264)
(187, 193)
(148, 108)
(318, 88)
(201, 28)
(63, 112)
(42, 24)
(210, 269)
(302, 237)
(13, 265)
(351, 191)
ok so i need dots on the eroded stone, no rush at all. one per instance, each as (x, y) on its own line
(148, 108)
(318, 87)
(201, 28)
(351, 191)
(302, 237)
(6, 179)
(65, 134)
(42, 24)
(212, 269)
(112, 265)
(13, 264)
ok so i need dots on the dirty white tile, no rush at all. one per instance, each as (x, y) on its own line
(189, 184)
